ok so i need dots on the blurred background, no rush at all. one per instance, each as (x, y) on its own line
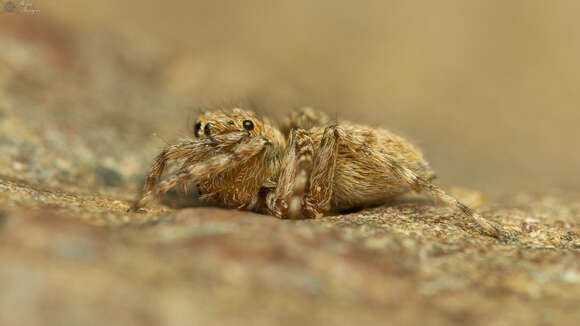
(488, 89)
(90, 91)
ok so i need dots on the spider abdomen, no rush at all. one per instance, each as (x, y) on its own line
(362, 178)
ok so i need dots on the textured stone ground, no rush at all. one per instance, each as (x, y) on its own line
(72, 258)
(76, 118)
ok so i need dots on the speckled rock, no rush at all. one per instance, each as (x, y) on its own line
(67, 258)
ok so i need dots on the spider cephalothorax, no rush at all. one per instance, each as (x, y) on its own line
(243, 161)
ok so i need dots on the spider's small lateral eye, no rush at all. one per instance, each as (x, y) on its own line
(248, 125)
(206, 130)
(196, 129)
(231, 123)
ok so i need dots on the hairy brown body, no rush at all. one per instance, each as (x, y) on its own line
(360, 177)
(245, 162)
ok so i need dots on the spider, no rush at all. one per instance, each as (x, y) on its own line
(243, 161)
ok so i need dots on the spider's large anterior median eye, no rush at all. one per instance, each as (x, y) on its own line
(248, 125)
(196, 129)
(207, 130)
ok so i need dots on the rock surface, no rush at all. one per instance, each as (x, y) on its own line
(70, 258)
(71, 161)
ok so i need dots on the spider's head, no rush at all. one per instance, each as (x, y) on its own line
(236, 120)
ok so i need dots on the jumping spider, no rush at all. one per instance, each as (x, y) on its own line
(243, 161)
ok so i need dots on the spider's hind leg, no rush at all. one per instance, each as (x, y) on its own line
(421, 184)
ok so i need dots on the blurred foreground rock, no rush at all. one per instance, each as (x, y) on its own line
(70, 259)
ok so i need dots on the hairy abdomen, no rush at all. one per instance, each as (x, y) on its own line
(362, 178)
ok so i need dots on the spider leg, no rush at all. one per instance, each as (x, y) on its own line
(239, 154)
(277, 200)
(173, 152)
(311, 192)
(191, 150)
(322, 177)
(422, 185)
(287, 199)
(305, 118)
(304, 153)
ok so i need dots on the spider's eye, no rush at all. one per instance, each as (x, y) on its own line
(206, 130)
(196, 129)
(249, 125)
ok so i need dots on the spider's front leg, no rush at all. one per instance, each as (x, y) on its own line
(192, 151)
(238, 155)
